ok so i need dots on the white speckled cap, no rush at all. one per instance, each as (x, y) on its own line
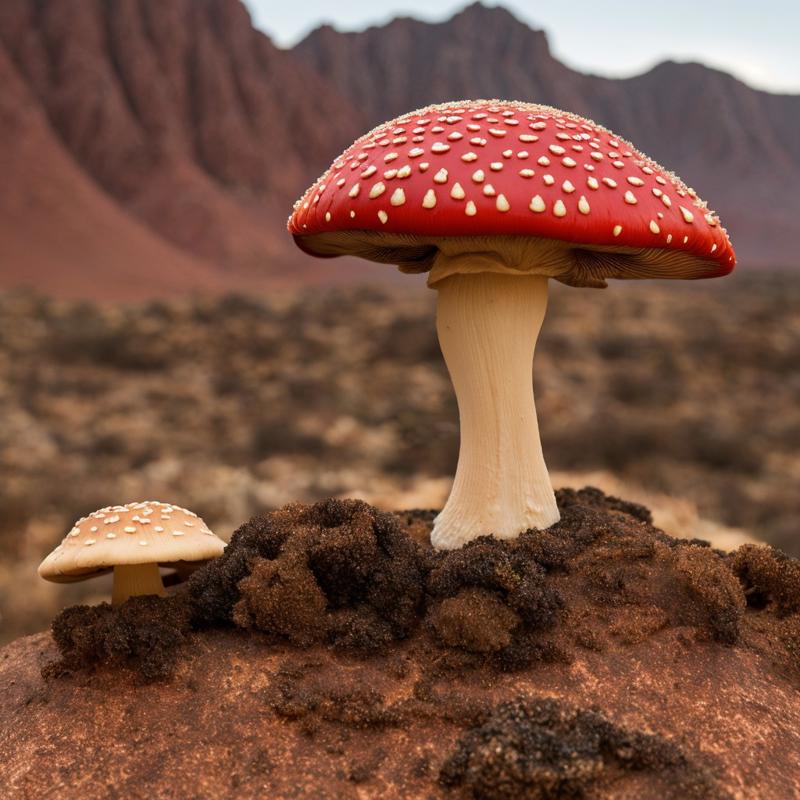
(136, 533)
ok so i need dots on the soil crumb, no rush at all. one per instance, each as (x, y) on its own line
(541, 748)
(342, 574)
(771, 579)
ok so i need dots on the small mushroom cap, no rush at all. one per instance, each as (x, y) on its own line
(135, 533)
(495, 169)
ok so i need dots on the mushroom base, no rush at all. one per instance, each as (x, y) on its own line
(488, 324)
(131, 580)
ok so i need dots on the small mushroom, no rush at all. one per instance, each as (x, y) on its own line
(132, 540)
(496, 198)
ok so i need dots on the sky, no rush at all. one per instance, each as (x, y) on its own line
(755, 41)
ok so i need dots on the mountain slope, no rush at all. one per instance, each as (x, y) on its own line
(184, 113)
(59, 231)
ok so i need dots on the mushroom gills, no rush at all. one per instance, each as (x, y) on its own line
(488, 324)
(131, 580)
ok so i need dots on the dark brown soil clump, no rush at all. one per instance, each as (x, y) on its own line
(143, 634)
(542, 749)
(338, 571)
(771, 579)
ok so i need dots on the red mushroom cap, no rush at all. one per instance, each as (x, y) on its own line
(498, 168)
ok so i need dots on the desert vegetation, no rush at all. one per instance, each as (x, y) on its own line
(236, 405)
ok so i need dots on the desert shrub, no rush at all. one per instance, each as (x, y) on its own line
(85, 336)
(272, 436)
(408, 341)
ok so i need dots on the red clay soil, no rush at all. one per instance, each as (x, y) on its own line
(330, 653)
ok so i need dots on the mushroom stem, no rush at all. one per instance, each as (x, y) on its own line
(488, 324)
(131, 580)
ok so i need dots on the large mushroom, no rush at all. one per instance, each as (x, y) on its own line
(493, 198)
(132, 540)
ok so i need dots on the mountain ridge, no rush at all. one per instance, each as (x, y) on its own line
(185, 119)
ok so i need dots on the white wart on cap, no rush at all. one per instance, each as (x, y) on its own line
(497, 168)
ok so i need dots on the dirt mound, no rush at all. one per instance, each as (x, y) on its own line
(343, 574)
(329, 652)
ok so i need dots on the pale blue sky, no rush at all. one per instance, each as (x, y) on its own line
(756, 41)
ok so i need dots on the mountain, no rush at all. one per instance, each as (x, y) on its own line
(737, 146)
(185, 117)
(59, 231)
(149, 147)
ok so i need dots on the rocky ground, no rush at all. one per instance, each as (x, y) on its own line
(234, 406)
(331, 653)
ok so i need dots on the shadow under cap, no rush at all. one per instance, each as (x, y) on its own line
(572, 265)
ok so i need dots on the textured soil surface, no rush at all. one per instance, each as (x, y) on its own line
(331, 653)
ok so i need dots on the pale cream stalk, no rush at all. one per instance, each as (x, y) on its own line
(131, 580)
(488, 323)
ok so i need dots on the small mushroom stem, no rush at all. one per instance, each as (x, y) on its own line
(131, 580)
(488, 324)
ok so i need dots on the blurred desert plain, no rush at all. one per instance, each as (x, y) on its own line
(683, 396)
